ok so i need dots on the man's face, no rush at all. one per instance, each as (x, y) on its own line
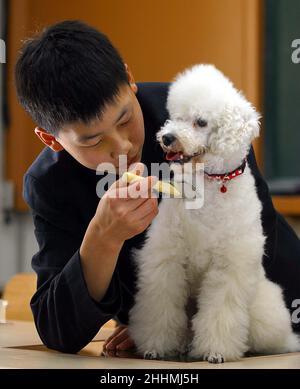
(119, 132)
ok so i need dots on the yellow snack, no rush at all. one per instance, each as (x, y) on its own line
(160, 186)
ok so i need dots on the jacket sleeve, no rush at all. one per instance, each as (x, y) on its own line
(66, 316)
(282, 250)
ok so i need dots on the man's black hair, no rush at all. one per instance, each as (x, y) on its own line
(68, 73)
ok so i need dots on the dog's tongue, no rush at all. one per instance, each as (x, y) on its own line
(171, 156)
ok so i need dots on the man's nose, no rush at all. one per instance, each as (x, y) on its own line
(121, 145)
(168, 139)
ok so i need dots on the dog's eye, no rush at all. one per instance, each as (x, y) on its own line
(201, 122)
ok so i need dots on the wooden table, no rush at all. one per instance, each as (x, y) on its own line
(21, 347)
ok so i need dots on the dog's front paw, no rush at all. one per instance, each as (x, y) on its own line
(151, 354)
(213, 357)
(209, 356)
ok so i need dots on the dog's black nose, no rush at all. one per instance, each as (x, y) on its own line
(168, 139)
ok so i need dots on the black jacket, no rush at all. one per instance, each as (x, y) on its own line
(62, 195)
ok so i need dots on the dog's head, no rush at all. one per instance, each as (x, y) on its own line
(207, 116)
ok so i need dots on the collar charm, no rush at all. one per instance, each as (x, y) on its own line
(227, 176)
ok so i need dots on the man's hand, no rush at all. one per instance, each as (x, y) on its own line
(119, 340)
(126, 210)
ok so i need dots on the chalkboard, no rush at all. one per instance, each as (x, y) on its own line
(282, 89)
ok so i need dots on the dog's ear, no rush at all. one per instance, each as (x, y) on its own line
(236, 127)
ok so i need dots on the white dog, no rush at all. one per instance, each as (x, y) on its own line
(212, 254)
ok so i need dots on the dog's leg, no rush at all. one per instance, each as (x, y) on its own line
(270, 322)
(221, 326)
(157, 321)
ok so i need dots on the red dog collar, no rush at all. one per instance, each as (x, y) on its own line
(227, 176)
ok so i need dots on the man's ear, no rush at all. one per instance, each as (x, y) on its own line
(133, 85)
(48, 139)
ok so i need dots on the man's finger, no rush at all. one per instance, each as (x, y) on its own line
(142, 188)
(115, 333)
(127, 344)
(117, 340)
(136, 168)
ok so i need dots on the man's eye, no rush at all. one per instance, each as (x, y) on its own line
(127, 121)
(201, 122)
(96, 144)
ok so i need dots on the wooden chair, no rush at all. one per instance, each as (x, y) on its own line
(18, 292)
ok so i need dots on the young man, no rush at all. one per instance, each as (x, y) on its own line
(89, 110)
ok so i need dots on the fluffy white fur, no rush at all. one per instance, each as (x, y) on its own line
(213, 254)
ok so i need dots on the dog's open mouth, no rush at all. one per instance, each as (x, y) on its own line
(179, 156)
(174, 156)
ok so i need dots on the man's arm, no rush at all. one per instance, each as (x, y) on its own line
(66, 316)
(78, 283)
